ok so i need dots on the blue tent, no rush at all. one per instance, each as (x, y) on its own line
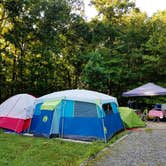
(76, 114)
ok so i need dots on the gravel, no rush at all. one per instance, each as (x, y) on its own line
(141, 148)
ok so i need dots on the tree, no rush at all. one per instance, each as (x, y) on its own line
(35, 43)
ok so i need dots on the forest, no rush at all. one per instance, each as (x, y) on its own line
(49, 45)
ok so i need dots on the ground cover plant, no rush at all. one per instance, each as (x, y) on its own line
(18, 150)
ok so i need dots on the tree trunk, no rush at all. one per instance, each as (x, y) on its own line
(13, 75)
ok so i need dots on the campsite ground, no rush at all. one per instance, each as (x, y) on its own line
(18, 150)
(142, 147)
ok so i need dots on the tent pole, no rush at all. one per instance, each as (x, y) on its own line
(63, 114)
(105, 139)
(13, 106)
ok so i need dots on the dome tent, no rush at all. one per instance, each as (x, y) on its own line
(16, 112)
(130, 118)
(76, 114)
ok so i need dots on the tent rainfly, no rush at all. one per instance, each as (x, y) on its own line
(16, 112)
(149, 89)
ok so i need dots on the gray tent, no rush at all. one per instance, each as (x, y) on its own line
(149, 89)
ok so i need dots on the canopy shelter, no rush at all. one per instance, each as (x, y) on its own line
(149, 89)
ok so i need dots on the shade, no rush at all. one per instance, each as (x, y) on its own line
(149, 89)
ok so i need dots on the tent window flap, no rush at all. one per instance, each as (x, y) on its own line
(82, 109)
(107, 108)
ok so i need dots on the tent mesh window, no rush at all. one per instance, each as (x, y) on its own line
(83, 109)
(107, 108)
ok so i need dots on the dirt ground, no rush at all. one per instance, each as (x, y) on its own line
(156, 125)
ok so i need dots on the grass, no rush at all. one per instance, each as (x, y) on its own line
(97, 156)
(18, 150)
(117, 136)
(148, 130)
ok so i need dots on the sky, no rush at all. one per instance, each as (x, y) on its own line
(149, 6)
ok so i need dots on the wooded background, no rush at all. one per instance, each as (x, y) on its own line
(48, 46)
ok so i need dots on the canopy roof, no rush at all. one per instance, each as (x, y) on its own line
(79, 95)
(149, 89)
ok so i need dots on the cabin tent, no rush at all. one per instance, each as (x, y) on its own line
(16, 112)
(130, 118)
(76, 114)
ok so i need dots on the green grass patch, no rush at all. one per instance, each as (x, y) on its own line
(118, 136)
(148, 130)
(95, 155)
(18, 150)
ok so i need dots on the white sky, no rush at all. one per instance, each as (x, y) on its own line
(150, 6)
(90, 11)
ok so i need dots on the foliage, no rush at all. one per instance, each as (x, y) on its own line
(48, 46)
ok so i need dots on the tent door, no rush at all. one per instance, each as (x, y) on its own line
(45, 122)
(56, 121)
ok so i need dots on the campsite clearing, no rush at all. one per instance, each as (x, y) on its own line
(17, 150)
